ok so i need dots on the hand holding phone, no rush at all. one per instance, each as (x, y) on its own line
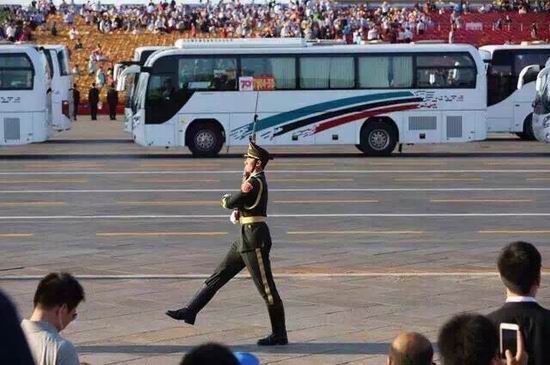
(512, 345)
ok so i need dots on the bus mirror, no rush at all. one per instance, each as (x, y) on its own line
(527, 75)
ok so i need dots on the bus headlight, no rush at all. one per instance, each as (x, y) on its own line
(546, 122)
(547, 138)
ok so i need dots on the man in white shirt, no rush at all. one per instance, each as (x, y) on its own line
(55, 302)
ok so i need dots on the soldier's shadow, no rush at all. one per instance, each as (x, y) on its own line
(345, 348)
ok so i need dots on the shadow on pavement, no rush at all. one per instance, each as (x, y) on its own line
(347, 348)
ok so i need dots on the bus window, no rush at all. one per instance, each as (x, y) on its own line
(16, 72)
(445, 71)
(50, 62)
(281, 69)
(62, 61)
(217, 74)
(385, 72)
(327, 73)
(501, 82)
(526, 59)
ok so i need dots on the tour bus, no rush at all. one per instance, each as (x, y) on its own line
(374, 96)
(62, 85)
(25, 95)
(125, 75)
(541, 105)
(508, 108)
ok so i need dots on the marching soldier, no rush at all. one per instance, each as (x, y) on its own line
(250, 251)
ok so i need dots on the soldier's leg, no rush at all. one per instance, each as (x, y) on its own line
(259, 266)
(230, 266)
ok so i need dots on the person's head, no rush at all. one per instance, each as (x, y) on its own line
(256, 158)
(410, 349)
(210, 354)
(56, 298)
(468, 339)
(93, 84)
(519, 265)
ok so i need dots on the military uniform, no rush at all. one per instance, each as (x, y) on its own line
(251, 250)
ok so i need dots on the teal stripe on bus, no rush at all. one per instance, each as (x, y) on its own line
(280, 118)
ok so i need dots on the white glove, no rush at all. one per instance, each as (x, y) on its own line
(234, 217)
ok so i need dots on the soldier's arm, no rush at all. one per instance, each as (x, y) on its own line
(245, 197)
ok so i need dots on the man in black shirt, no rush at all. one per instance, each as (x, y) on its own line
(76, 101)
(252, 250)
(93, 100)
(112, 100)
(519, 265)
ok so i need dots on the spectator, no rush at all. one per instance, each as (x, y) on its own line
(93, 100)
(55, 303)
(73, 33)
(92, 65)
(100, 77)
(53, 30)
(519, 265)
(112, 100)
(76, 100)
(472, 339)
(410, 349)
(210, 354)
(14, 349)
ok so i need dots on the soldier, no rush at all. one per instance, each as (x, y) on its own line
(250, 251)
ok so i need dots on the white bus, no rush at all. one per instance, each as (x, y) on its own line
(541, 105)
(509, 109)
(25, 95)
(373, 97)
(126, 74)
(62, 85)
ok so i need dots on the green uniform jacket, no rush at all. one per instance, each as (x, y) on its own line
(251, 203)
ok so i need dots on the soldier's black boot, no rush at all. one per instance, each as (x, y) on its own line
(279, 336)
(188, 314)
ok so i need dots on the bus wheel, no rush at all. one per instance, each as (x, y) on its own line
(205, 139)
(378, 138)
(528, 133)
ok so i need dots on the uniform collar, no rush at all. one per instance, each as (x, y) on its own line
(520, 299)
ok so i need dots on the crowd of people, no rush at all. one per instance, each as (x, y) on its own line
(310, 19)
(465, 339)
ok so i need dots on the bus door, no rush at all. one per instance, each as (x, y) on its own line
(524, 96)
(128, 73)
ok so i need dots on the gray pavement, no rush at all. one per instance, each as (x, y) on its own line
(363, 248)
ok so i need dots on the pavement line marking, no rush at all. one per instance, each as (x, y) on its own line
(15, 235)
(302, 164)
(224, 216)
(427, 179)
(355, 201)
(23, 203)
(181, 164)
(311, 180)
(169, 202)
(288, 190)
(354, 232)
(281, 276)
(419, 163)
(158, 234)
(61, 165)
(516, 232)
(239, 172)
(481, 200)
(539, 179)
(170, 181)
(72, 181)
(521, 163)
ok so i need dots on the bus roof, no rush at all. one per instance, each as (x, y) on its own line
(139, 50)
(337, 49)
(240, 43)
(18, 48)
(492, 48)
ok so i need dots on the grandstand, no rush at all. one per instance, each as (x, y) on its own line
(478, 29)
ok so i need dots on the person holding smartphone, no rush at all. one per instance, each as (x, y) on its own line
(519, 265)
(472, 339)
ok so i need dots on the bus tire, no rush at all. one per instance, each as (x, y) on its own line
(528, 134)
(205, 139)
(378, 137)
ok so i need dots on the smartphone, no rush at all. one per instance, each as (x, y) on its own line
(508, 338)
